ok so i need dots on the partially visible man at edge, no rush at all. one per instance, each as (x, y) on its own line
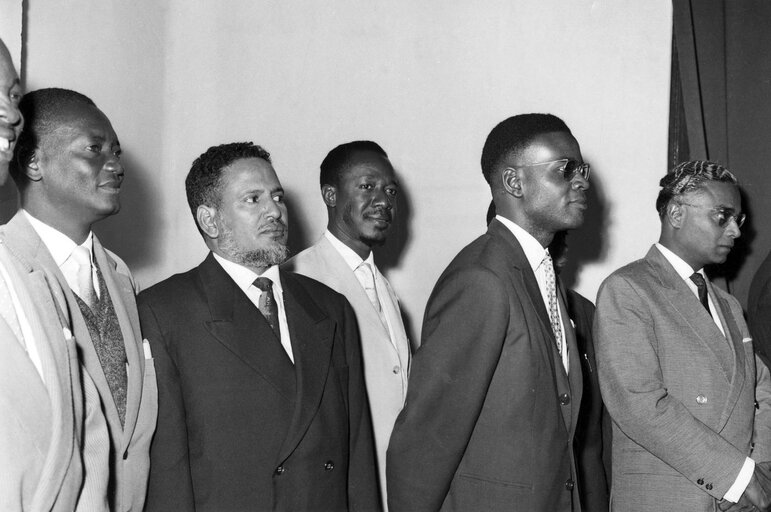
(69, 175)
(360, 191)
(41, 396)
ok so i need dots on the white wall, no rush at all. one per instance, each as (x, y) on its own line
(427, 80)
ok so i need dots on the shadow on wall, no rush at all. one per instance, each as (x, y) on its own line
(9, 201)
(131, 234)
(299, 238)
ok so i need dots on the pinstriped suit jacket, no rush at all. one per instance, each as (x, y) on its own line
(40, 467)
(681, 395)
(129, 445)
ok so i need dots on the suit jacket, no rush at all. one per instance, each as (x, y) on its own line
(40, 466)
(681, 395)
(129, 449)
(490, 413)
(759, 311)
(592, 438)
(242, 428)
(386, 360)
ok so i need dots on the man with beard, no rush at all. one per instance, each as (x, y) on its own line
(495, 387)
(261, 393)
(360, 191)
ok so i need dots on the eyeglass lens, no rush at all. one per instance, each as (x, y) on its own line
(572, 167)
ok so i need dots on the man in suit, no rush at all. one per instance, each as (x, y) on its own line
(677, 371)
(69, 175)
(261, 393)
(360, 191)
(40, 400)
(495, 388)
(759, 311)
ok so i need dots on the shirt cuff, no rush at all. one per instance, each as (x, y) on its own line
(741, 482)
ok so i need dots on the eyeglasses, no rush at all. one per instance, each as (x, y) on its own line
(568, 168)
(721, 216)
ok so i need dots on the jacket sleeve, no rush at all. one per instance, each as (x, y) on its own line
(450, 375)
(363, 491)
(636, 395)
(170, 485)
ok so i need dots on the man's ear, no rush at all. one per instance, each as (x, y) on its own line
(206, 216)
(674, 214)
(32, 167)
(329, 194)
(512, 181)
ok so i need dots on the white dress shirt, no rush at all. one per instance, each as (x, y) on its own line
(535, 253)
(244, 279)
(685, 271)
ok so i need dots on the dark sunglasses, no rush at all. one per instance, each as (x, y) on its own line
(568, 168)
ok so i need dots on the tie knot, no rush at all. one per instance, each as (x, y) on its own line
(698, 280)
(263, 283)
(82, 256)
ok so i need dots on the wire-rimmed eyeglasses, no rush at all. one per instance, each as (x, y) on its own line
(569, 168)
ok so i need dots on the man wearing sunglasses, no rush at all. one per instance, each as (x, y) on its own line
(495, 388)
(690, 402)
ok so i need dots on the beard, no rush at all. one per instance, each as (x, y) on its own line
(274, 254)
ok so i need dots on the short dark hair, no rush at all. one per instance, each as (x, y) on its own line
(339, 159)
(687, 177)
(514, 134)
(202, 184)
(43, 111)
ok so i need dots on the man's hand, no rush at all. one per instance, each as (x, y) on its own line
(758, 491)
(744, 505)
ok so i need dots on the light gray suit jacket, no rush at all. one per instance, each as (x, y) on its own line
(682, 396)
(40, 467)
(129, 444)
(386, 359)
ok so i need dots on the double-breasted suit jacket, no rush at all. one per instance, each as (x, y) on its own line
(490, 413)
(241, 427)
(40, 465)
(681, 394)
(386, 357)
(129, 448)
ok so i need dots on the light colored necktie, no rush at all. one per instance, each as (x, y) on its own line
(367, 278)
(86, 291)
(8, 311)
(551, 291)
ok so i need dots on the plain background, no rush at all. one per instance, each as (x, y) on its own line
(426, 80)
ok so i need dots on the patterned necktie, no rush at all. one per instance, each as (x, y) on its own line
(551, 291)
(86, 291)
(8, 311)
(267, 305)
(701, 285)
(368, 280)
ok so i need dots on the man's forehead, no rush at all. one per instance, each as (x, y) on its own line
(367, 162)
(551, 146)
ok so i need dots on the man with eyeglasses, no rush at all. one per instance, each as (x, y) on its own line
(495, 388)
(690, 402)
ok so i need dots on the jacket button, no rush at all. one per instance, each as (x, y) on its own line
(280, 470)
(569, 484)
(396, 370)
(709, 487)
(564, 399)
(329, 465)
(701, 399)
(700, 481)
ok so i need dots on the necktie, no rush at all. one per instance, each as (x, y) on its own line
(368, 281)
(8, 311)
(701, 286)
(86, 291)
(267, 305)
(551, 291)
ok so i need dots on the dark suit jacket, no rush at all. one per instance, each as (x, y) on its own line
(240, 427)
(759, 311)
(592, 439)
(490, 413)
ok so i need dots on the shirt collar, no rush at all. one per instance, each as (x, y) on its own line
(683, 269)
(534, 251)
(59, 245)
(244, 277)
(352, 259)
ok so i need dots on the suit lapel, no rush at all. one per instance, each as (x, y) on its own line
(735, 339)
(311, 332)
(682, 300)
(240, 327)
(574, 376)
(124, 303)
